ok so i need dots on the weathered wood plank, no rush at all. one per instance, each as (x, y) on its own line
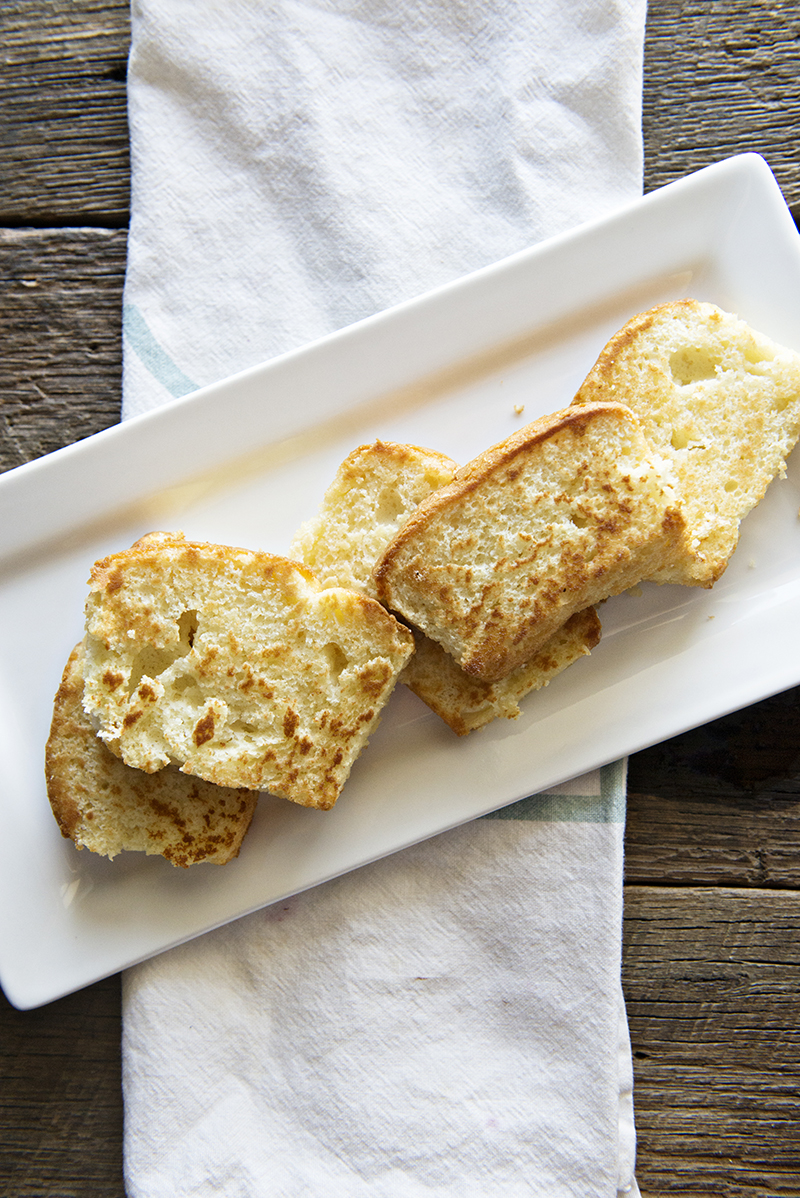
(712, 984)
(720, 805)
(61, 314)
(61, 1101)
(64, 135)
(721, 77)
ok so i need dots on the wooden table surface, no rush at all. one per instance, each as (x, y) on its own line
(712, 895)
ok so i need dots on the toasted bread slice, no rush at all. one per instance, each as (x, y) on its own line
(720, 402)
(561, 515)
(375, 490)
(107, 807)
(237, 666)
(466, 703)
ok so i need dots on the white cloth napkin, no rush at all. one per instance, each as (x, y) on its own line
(448, 1021)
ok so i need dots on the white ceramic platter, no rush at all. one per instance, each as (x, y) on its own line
(245, 461)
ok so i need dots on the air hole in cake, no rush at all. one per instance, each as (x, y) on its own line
(184, 684)
(151, 660)
(335, 659)
(243, 728)
(692, 364)
(578, 520)
(681, 438)
(149, 663)
(187, 628)
(731, 485)
(390, 507)
(756, 355)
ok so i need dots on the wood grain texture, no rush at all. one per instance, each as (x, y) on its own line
(61, 315)
(60, 1100)
(721, 77)
(711, 978)
(64, 133)
(720, 805)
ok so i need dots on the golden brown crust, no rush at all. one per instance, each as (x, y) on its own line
(395, 452)
(564, 513)
(237, 665)
(719, 402)
(477, 471)
(376, 489)
(106, 806)
(466, 703)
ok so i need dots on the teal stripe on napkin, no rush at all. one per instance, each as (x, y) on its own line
(154, 356)
(607, 807)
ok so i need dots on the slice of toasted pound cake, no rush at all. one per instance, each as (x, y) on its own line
(108, 807)
(559, 516)
(466, 703)
(237, 666)
(719, 401)
(375, 490)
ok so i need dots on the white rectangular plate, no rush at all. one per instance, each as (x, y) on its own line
(245, 461)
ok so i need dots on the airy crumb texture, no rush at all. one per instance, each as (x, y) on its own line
(719, 402)
(237, 666)
(561, 515)
(105, 806)
(466, 703)
(375, 490)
